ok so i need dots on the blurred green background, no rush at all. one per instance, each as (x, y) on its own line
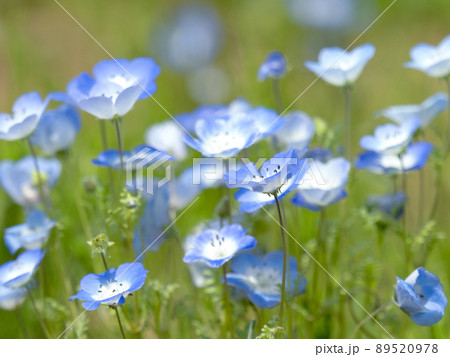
(42, 48)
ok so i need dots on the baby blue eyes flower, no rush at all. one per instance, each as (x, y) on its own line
(19, 179)
(18, 273)
(340, 68)
(167, 136)
(422, 297)
(115, 86)
(32, 234)
(26, 112)
(414, 158)
(391, 204)
(325, 188)
(111, 287)
(390, 138)
(57, 129)
(273, 67)
(216, 247)
(434, 61)
(261, 278)
(297, 131)
(11, 298)
(425, 111)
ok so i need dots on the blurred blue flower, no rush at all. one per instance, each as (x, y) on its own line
(390, 138)
(111, 287)
(325, 186)
(216, 247)
(18, 273)
(20, 181)
(432, 60)
(297, 131)
(57, 129)
(414, 158)
(425, 111)
(167, 136)
(115, 87)
(392, 204)
(32, 234)
(320, 154)
(261, 278)
(26, 113)
(273, 67)
(340, 68)
(422, 297)
(11, 298)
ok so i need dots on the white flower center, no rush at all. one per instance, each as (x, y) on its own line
(219, 247)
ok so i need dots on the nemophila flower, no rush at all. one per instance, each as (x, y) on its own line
(216, 247)
(20, 181)
(57, 129)
(261, 278)
(320, 154)
(341, 68)
(273, 67)
(17, 273)
(390, 138)
(422, 297)
(115, 86)
(167, 136)
(414, 158)
(325, 186)
(26, 112)
(425, 111)
(11, 298)
(392, 204)
(432, 60)
(111, 287)
(32, 234)
(297, 131)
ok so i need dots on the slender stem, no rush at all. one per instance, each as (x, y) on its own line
(421, 196)
(226, 296)
(405, 238)
(120, 323)
(42, 195)
(448, 112)
(277, 95)
(230, 209)
(347, 119)
(369, 317)
(103, 134)
(38, 314)
(21, 323)
(283, 281)
(104, 260)
(119, 142)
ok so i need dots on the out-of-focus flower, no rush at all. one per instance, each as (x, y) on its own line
(390, 138)
(57, 129)
(115, 87)
(320, 154)
(20, 181)
(425, 111)
(391, 204)
(414, 158)
(273, 67)
(208, 85)
(326, 188)
(11, 298)
(340, 68)
(297, 132)
(111, 287)
(167, 136)
(26, 113)
(432, 60)
(216, 247)
(422, 297)
(261, 278)
(18, 273)
(32, 234)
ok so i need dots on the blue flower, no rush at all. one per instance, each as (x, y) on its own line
(19, 179)
(320, 154)
(422, 297)
(57, 129)
(111, 287)
(216, 247)
(11, 298)
(325, 186)
(18, 273)
(32, 234)
(434, 61)
(392, 204)
(167, 136)
(297, 131)
(26, 112)
(273, 67)
(414, 158)
(390, 138)
(261, 278)
(425, 111)
(340, 68)
(115, 87)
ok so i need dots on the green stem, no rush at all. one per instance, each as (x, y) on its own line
(448, 112)
(119, 143)
(38, 314)
(21, 323)
(230, 208)
(120, 323)
(103, 134)
(226, 295)
(369, 317)
(42, 195)
(283, 281)
(347, 120)
(277, 95)
(421, 207)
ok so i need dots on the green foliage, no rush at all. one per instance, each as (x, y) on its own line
(100, 245)
(271, 330)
